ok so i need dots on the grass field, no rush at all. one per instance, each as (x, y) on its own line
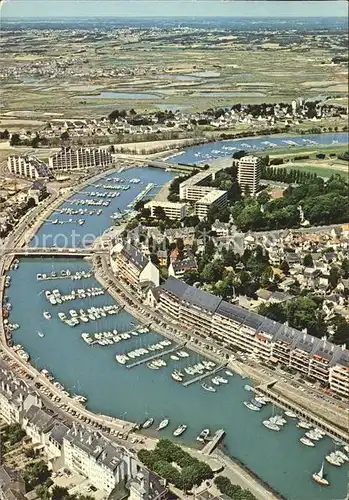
(320, 171)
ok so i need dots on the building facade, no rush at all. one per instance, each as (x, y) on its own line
(215, 197)
(249, 173)
(239, 329)
(28, 167)
(175, 211)
(131, 265)
(79, 158)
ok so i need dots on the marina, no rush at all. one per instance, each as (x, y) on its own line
(195, 412)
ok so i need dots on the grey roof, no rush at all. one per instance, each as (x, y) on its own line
(344, 359)
(175, 286)
(93, 444)
(204, 300)
(110, 457)
(135, 256)
(58, 432)
(7, 476)
(281, 296)
(40, 419)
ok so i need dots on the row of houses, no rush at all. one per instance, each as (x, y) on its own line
(75, 446)
(239, 329)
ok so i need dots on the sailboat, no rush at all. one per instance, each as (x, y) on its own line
(319, 477)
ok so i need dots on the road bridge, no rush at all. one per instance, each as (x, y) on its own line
(52, 252)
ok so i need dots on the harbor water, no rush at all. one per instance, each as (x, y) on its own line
(277, 457)
(221, 149)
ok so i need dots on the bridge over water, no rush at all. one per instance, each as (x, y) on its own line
(52, 252)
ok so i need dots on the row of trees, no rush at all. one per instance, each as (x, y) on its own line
(188, 472)
(13, 434)
(234, 491)
(288, 176)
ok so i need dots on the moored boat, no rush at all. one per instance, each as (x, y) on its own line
(164, 423)
(251, 406)
(270, 425)
(307, 441)
(208, 388)
(179, 431)
(203, 435)
(148, 423)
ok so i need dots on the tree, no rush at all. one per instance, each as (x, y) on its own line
(13, 433)
(308, 260)
(334, 276)
(159, 213)
(36, 473)
(65, 136)
(15, 140)
(274, 311)
(59, 493)
(285, 268)
(345, 268)
(35, 142)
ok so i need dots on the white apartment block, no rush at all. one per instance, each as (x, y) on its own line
(249, 173)
(175, 211)
(211, 317)
(89, 455)
(215, 197)
(28, 167)
(79, 158)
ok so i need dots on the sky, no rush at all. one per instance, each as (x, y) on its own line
(171, 8)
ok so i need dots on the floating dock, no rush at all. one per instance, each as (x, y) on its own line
(155, 356)
(213, 443)
(203, 375)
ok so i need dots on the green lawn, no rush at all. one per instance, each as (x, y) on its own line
(321, 172)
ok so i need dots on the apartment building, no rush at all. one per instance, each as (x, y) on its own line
(194, 188)
(15, 397)
(177, 268)
(174, 211)
(249, 173)
(69, 158)
(88, 454)
(28, 167)
(239, 329)
(215, 197)
(129, 263)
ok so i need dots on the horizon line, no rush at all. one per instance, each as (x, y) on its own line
(179, 17)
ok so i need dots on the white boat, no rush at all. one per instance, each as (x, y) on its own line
(333, 459)
(222, 380)
(290, 414)
(342, 455)
(248, 387)
(179, 431)
(304, 425)
(203, 435)
(164, 423)
(176, 377)
(319, 477)
(208, 388)
(41, 334)
(251, 406)
(47, 315)
(174, 357)
(271, 425)
(229, 373)
(148, 423)
(307, 441)
(215, 381)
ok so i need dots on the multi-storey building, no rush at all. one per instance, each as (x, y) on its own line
(89, 455)
(28, 167)
(238, 329)
(249, 173)
(175, 211)
(130, 264)
(79, 158)
(215, 197)
(15, 397)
